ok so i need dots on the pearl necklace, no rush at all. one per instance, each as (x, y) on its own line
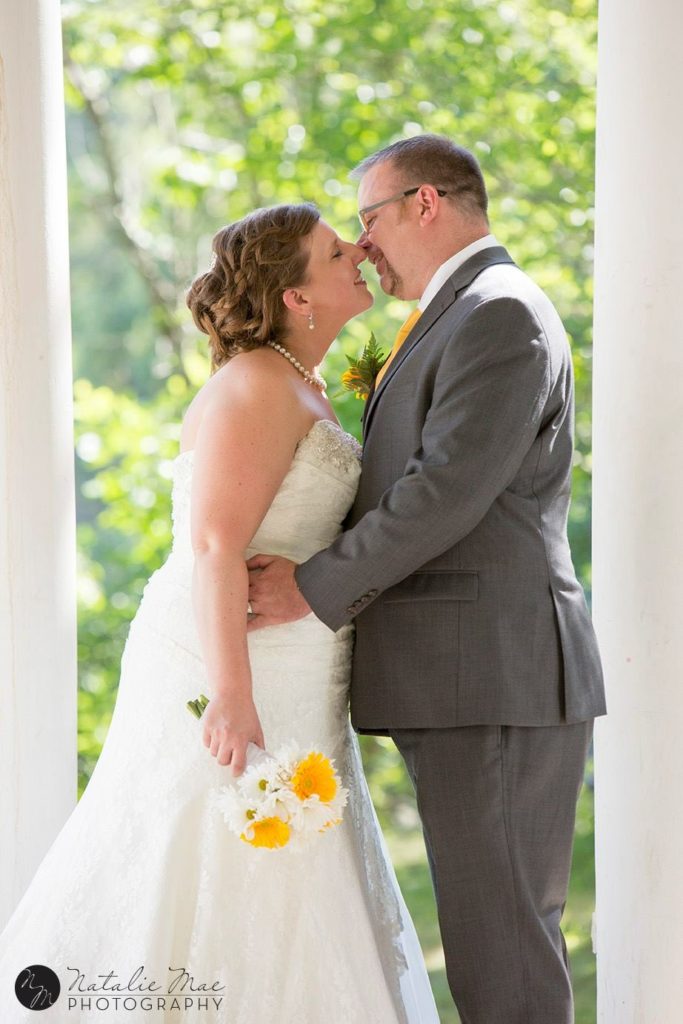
(314, 379)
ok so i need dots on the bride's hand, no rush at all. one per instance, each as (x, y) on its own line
(230, 724)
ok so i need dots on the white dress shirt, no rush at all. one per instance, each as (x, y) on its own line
(448, 268)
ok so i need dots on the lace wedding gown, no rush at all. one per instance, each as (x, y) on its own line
(146, 877)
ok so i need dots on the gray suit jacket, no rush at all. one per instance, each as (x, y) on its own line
(455, 563)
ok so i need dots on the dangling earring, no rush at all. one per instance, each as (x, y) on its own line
(311, 325)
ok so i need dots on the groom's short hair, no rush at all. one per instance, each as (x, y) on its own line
(434, 160)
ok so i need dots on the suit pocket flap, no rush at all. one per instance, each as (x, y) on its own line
(446, 585)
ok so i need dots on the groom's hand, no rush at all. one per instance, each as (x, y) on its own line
(273, 594)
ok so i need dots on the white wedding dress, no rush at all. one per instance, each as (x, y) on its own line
(145, 873)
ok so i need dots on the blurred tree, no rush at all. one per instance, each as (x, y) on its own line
(238, 110)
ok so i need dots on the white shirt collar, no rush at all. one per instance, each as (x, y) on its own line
(448, 268)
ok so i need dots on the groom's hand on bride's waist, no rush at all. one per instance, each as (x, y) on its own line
(274, 597)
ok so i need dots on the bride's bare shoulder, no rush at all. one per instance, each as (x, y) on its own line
(256, 383)
(259, 368)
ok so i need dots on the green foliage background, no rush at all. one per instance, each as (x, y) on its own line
(183, 115)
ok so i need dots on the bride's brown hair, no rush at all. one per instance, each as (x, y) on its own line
(238, 302)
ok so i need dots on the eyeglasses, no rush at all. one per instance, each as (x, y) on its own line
(363, 214)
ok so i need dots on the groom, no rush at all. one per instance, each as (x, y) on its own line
(474, 646)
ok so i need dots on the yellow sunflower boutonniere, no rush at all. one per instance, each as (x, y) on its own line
(362, 372)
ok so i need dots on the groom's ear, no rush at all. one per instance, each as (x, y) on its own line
(295, 300)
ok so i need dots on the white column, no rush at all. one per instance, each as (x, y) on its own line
(638, 517)
(37, 544)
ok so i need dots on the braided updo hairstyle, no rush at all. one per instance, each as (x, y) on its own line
(238, 302)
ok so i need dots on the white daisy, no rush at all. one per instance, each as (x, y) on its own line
(237, 811)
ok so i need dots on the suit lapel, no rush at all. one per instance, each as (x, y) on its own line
(444, 298)
(368, 402)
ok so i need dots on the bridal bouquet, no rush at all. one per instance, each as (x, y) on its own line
(281, 800)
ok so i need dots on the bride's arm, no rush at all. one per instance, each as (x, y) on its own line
(243, 449)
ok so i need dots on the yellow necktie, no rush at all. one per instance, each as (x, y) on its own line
(400, 338)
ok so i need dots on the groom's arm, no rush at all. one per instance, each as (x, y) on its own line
(490, 392)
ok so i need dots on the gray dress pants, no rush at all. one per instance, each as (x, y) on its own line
(498, 806)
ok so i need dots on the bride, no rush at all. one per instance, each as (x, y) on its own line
(146, 907)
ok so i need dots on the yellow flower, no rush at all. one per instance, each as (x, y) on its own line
(351, 376)
(362, 372)
(352, 380)
(315, 776)
(269, 832)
